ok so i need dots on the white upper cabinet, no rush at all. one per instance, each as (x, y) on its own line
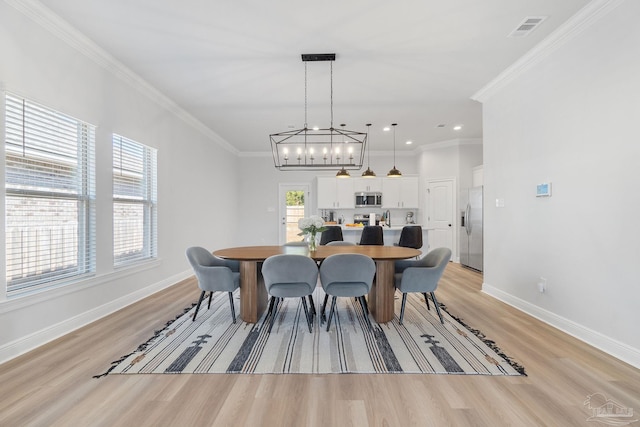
(400, 193)
(335, 193)
(366, 185)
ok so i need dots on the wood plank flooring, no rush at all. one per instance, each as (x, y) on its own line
(53, 385)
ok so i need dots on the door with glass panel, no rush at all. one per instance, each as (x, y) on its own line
(294, 204)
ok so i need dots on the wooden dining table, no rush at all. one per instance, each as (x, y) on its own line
(253, 294)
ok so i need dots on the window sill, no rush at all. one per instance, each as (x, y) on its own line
(32, 298)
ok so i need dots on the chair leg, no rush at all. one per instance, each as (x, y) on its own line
(364, 304)
(365, 311)
(426, 299)
(198, 306)
(307, 314)
(333, 307)
(324, 305)
(404, 302)
(271, 312)
(435, 302)
(312, 305)
(233, 309)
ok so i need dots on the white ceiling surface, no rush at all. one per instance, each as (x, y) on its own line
(235, 65)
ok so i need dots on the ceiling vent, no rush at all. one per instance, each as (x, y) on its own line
(527, 25)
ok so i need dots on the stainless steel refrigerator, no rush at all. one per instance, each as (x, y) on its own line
(471, 233)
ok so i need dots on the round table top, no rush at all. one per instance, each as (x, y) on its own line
(260, 253)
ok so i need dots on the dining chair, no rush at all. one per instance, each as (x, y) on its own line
(289, 276)
(411, 237)
(331, 234)
(422, 276)
(347, 275)
(340, 243)
(214, 274)
(304, 243)
(372, 235)
(297, 243)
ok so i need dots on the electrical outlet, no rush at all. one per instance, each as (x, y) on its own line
(542, 285)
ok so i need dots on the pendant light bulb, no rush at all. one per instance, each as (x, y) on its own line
(343, 173)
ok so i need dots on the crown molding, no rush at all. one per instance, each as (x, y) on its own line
(449, 144)
(575, 25)
(60, 28)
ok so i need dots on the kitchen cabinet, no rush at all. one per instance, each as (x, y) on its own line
(400, 193)
(367, 185)
(335, 193)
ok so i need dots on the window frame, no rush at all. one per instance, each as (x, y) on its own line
(143, 195)
(44, 167)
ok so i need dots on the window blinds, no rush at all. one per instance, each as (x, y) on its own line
(134, 201)
(50, 196)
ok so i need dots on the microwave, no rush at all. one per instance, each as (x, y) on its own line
(364, 200)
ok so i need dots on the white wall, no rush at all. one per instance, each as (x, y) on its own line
(195, 193)
(570, 119)
(259, 181)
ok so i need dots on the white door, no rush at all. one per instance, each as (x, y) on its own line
(294, 203)
(441, 215)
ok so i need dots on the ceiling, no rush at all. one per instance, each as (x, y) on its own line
(235, 65)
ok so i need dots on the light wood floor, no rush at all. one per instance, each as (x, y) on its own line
(53, 385)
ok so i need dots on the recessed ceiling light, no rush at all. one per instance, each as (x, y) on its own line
(316, 128)
(457, 127)
(409, 142)
(386, 129)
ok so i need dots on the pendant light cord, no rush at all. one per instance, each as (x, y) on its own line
(305, 96)
(331, 64)
(394, 144)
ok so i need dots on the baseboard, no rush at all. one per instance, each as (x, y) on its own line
(36, 339)
(602, 342)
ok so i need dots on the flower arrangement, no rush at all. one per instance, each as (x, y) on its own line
(310, 227)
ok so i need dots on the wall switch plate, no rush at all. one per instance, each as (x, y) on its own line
(542, 285)
(499, 203)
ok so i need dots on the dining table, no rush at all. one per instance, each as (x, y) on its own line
(253, 293)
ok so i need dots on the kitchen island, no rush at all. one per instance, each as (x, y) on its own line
(391, 234)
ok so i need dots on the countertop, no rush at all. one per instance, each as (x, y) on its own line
(384, 228)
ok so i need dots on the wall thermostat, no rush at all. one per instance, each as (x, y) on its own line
(543, 190)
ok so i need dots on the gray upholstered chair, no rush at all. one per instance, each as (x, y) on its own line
(289, 276)
(347, 275)
(422, 276)
(340, 243)
(411, 237)
(306, 244)
(297, 243)
(372, 235)
(214, 274)
(331, 234)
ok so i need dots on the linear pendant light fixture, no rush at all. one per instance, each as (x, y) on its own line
(394, 173)
(368, 173)
(315, 148)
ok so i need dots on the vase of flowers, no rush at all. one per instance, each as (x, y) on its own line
(310, 227)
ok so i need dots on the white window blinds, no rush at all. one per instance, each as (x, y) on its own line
(134, 201)
(50, 197)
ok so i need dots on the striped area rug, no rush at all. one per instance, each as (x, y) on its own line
(213, 344)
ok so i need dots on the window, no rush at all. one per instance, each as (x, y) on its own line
(134, 201)
(50, 197)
